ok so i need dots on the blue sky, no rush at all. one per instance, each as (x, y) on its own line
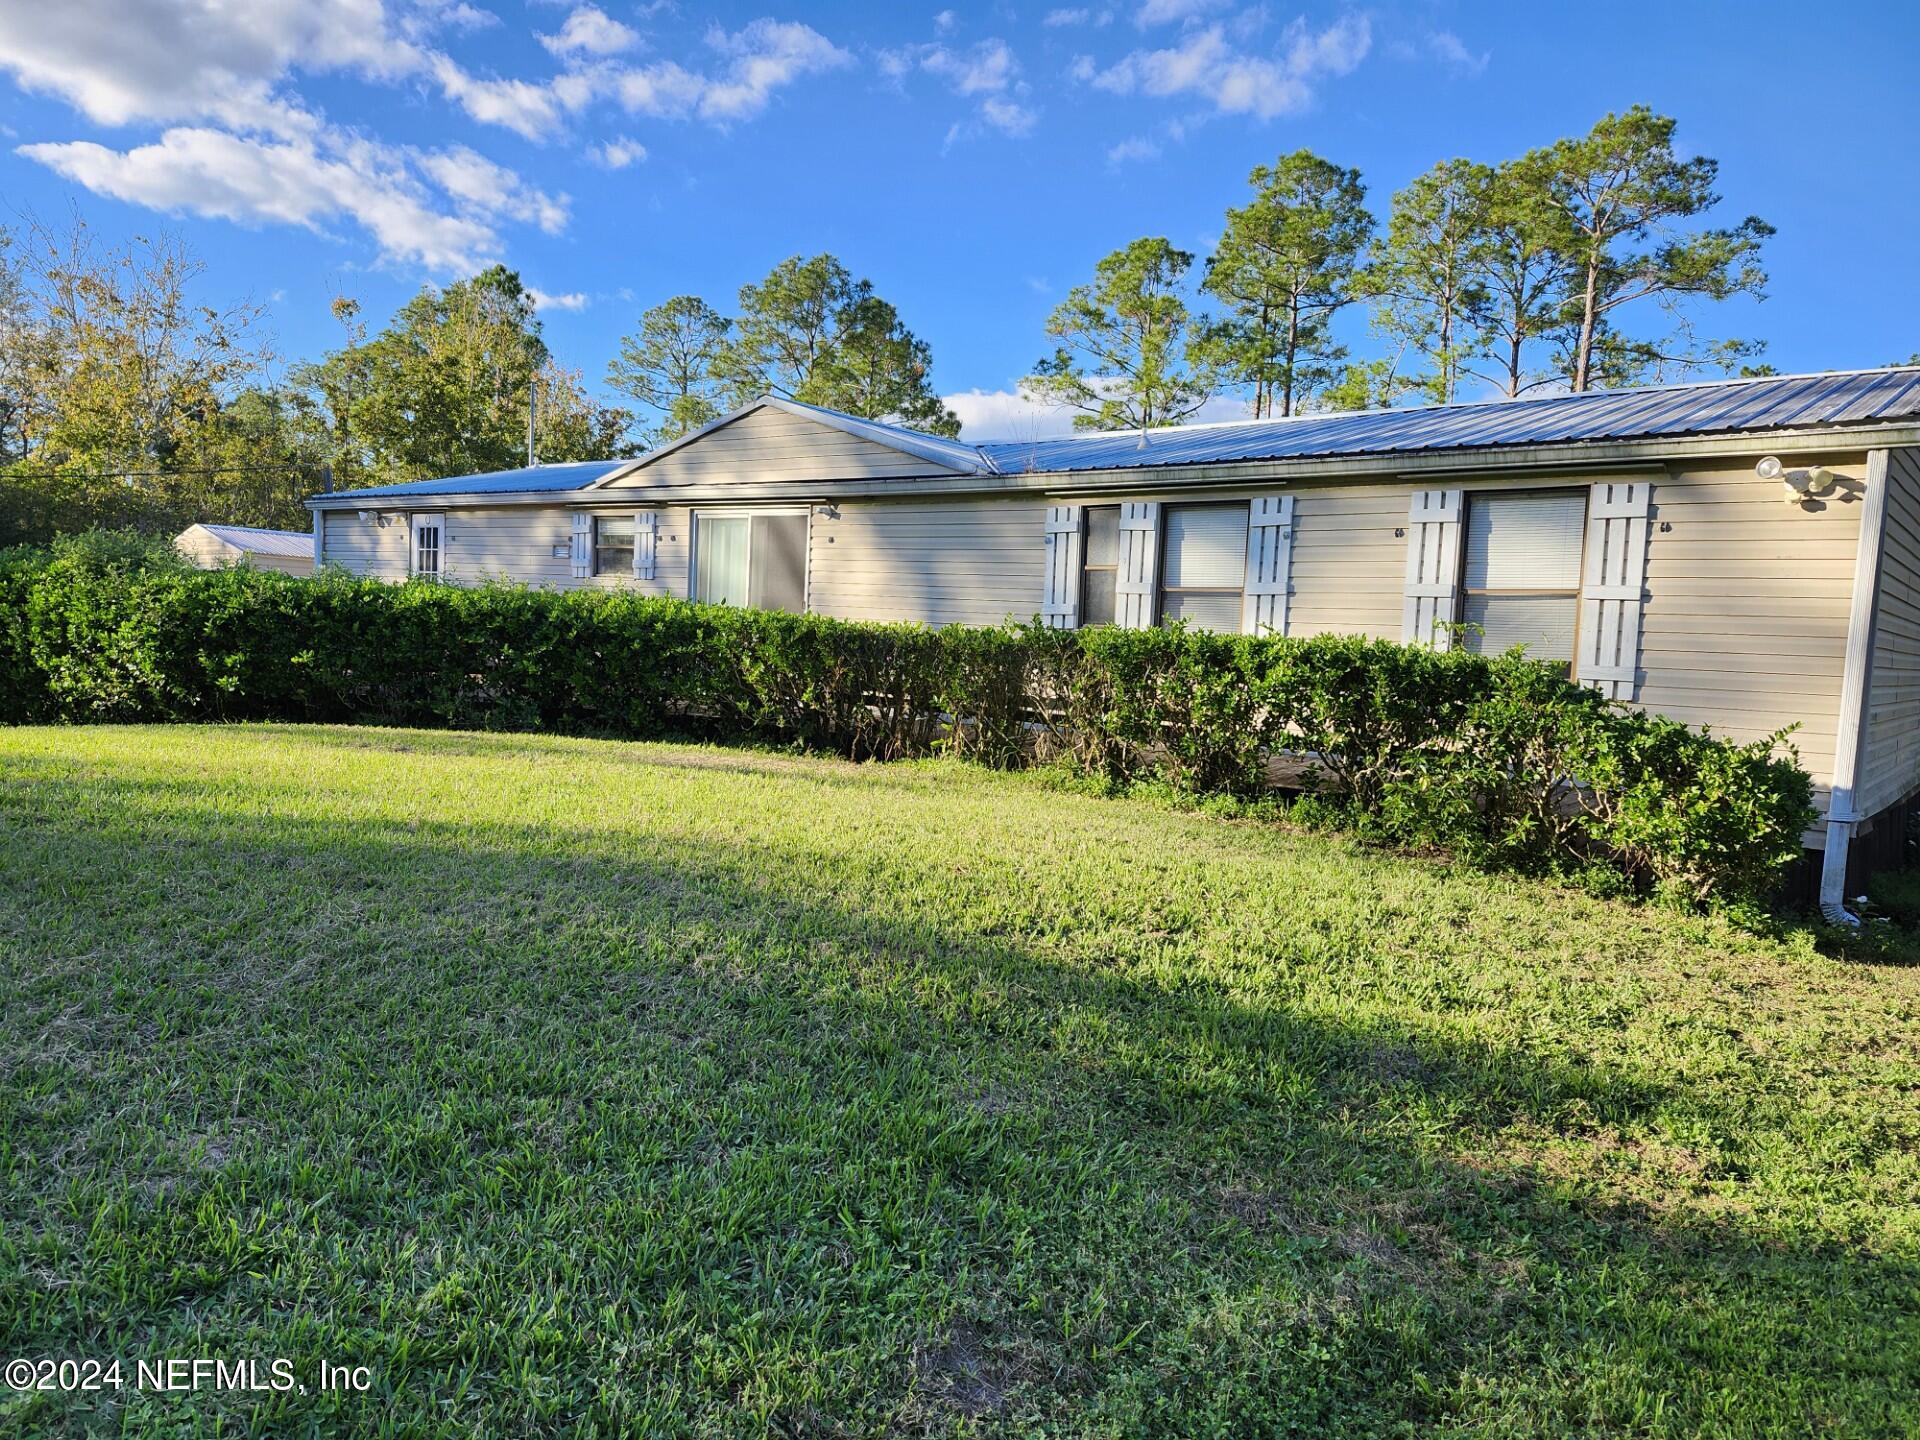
(973, 161)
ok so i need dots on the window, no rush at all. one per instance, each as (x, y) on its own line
(426, 546)
(1204, 572)
(613, 545)
(1101, 566)
(754, 560)
(1522, 572)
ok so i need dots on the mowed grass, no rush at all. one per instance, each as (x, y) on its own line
(591, 1088)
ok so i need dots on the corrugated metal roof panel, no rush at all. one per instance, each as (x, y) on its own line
(1701, 408)
(294, 543)
(568, 475)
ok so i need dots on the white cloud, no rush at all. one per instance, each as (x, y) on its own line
(572, 300)
(1009, 117)
(763, 57)
(589, 30)
(1451, 50)
(1083, 68)
(521, 106)
(1206, 65)
(617, 153)
(985, 69)
(1162, 12)
(253, 181)
(944, 22)
(987, 73)
(1016, 415)
(492, 189)
(1136, 147)
(118, 61)
(1079, 16)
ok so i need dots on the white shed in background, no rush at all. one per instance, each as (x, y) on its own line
(211, 546)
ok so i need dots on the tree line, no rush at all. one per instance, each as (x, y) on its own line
(123, 401)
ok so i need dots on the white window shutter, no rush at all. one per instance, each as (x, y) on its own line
(1137, 583)
(1433, 569)
(1613, 587)
(646, 529)
(582, 545)
(1060, 602)
(1269, 559)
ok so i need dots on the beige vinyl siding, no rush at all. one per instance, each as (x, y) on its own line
(1745, 624)
(518, 543)
(962, 562)
(1890, 753)
(365, 548)
(1349, 564)
(1745, 627)
(770, 444)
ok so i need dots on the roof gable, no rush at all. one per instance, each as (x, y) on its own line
(782, 440)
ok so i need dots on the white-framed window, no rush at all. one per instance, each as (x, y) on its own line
(1520, 574)
(1203, 575)
(751, 558)
(1100, 564)
(613, 545)
(429, 540)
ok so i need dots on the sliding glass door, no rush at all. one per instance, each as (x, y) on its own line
(758, 561)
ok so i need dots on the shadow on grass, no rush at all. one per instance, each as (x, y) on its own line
(564, 1127)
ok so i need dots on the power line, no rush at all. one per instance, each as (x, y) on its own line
(156, 474)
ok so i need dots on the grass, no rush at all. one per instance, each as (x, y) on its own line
(587, 1088)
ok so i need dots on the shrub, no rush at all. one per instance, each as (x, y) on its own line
(1500, 760)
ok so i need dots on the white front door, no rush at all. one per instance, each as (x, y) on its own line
(427, 546)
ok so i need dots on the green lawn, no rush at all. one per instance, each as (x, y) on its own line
(577, 1087)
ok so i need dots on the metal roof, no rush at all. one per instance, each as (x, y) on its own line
(1784, 402)
(297, 544)
(1707, 407)
(568, 475)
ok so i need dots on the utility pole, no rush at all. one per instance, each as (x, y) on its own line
(533, 380)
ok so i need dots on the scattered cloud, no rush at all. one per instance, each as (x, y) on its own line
(986, 73)
(1135, 147)
(944, 22)
(1077, 16)
(1083, 68)
(763, 57)
(573, 300)
(491, 189)
(1452, 51)
(617, 153)
(1016, 415)
(1205, 64)
(589, 30)
(256, 181)
(1164, 12)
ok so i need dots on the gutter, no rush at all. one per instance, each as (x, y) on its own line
(1855, 685)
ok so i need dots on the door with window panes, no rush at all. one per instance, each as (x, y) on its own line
(1520, 580)
(428, 543)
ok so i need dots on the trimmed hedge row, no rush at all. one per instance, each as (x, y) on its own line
(1460, 751)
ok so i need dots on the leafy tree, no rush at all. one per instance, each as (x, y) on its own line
(113, 381)
(1127, 358)
(813, 333)
(571, 425)
(879, 369)
(1285, 265)
(1522, 269)
(443, 389)
(1371, 385)
(1426, 273)
(785, 331)
(675, 365)
(1621, 192)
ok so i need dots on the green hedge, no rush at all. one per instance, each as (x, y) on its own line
(1472, 754)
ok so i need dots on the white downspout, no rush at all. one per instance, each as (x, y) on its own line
(1855, 682)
